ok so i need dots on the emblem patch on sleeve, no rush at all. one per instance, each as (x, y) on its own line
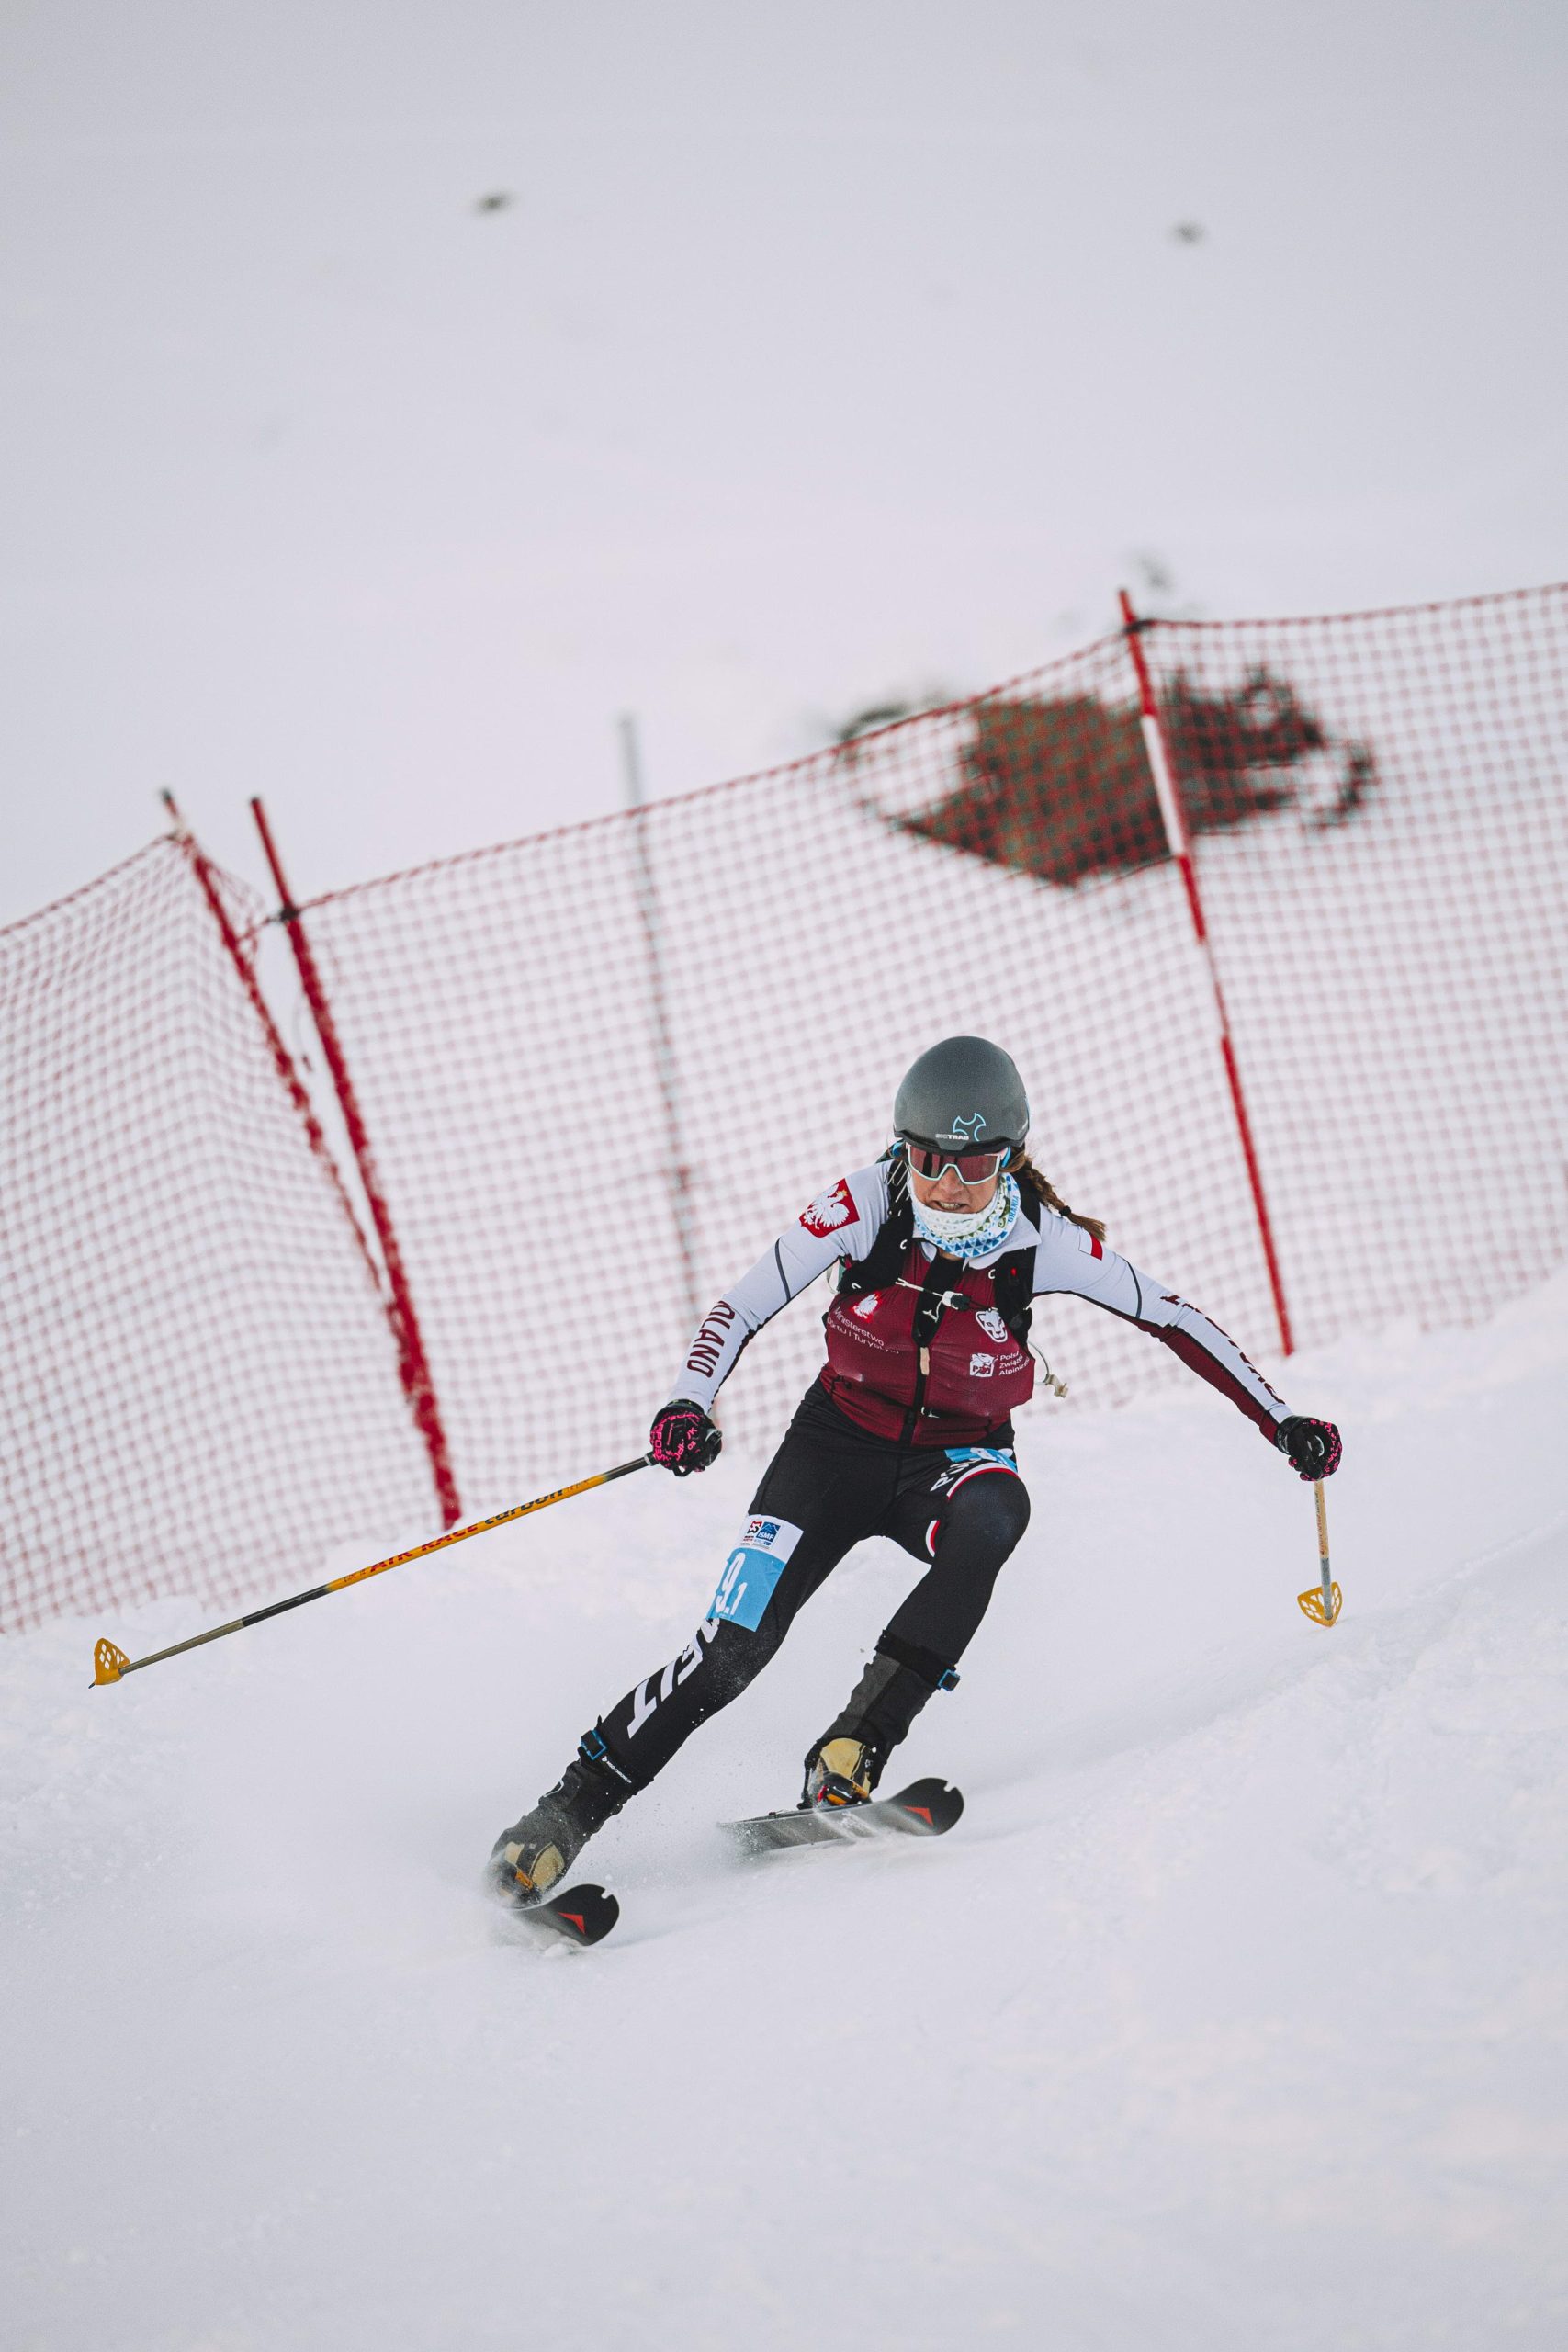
(752, 1571)
(830, 1211)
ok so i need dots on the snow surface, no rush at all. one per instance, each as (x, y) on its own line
(1233, 2014)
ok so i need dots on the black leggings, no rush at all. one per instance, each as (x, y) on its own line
(828, 1486)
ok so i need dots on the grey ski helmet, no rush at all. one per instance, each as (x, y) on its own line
(964, 1093)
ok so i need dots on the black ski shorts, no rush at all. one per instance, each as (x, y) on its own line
(828, 1488)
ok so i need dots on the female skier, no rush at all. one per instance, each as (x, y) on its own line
(906, 1432)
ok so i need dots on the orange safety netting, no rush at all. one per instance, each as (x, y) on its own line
(599, 1068)
(198, 1389)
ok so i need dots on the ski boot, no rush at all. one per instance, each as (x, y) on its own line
(846, 1763)
(535, 1853)
(841, 1773)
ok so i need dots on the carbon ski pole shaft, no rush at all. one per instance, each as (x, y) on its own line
(111, 1664)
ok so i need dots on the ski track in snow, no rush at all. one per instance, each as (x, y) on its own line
(1233, 2014)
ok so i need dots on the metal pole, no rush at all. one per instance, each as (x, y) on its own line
(1169, 795)
(413, 1365)
(666, 1070)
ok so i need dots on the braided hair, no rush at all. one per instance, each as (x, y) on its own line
(1039, 1189)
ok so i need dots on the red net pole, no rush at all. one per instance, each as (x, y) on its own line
(413, 1365)
(283, 1061)
(1168, 794)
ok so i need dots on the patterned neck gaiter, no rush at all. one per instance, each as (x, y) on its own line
(969, 1236)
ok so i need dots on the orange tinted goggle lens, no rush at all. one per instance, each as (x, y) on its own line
(973, 1167)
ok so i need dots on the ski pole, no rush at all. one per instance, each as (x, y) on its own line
(1321, 1602)
(111, 1664)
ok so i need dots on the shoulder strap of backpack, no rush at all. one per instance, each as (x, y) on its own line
(1014, 1282)
(1013, 1285)
(884, 1261)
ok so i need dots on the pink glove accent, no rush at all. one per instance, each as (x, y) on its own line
(1313, 1447)
(682, 1437)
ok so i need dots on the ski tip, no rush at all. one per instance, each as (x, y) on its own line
(583, 1915)
(929, 1807)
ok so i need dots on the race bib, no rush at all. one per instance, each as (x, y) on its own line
(752, 1571)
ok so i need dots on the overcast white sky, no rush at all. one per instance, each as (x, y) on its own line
(827, 350)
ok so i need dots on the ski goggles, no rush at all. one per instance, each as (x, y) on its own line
(974, 1167)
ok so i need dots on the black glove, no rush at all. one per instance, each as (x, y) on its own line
(1313, 1446)
(683, 1438)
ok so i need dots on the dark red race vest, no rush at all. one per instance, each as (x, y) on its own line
(979, 1374)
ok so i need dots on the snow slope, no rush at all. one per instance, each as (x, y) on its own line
(1233, 2015)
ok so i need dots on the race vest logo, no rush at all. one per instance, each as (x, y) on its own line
(981, 1367)
(866, 1307)
(752, 1571)
(830, 1210)
(990, 1322)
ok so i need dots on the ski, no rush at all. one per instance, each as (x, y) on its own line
(583, 1915)
(925, 1809)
